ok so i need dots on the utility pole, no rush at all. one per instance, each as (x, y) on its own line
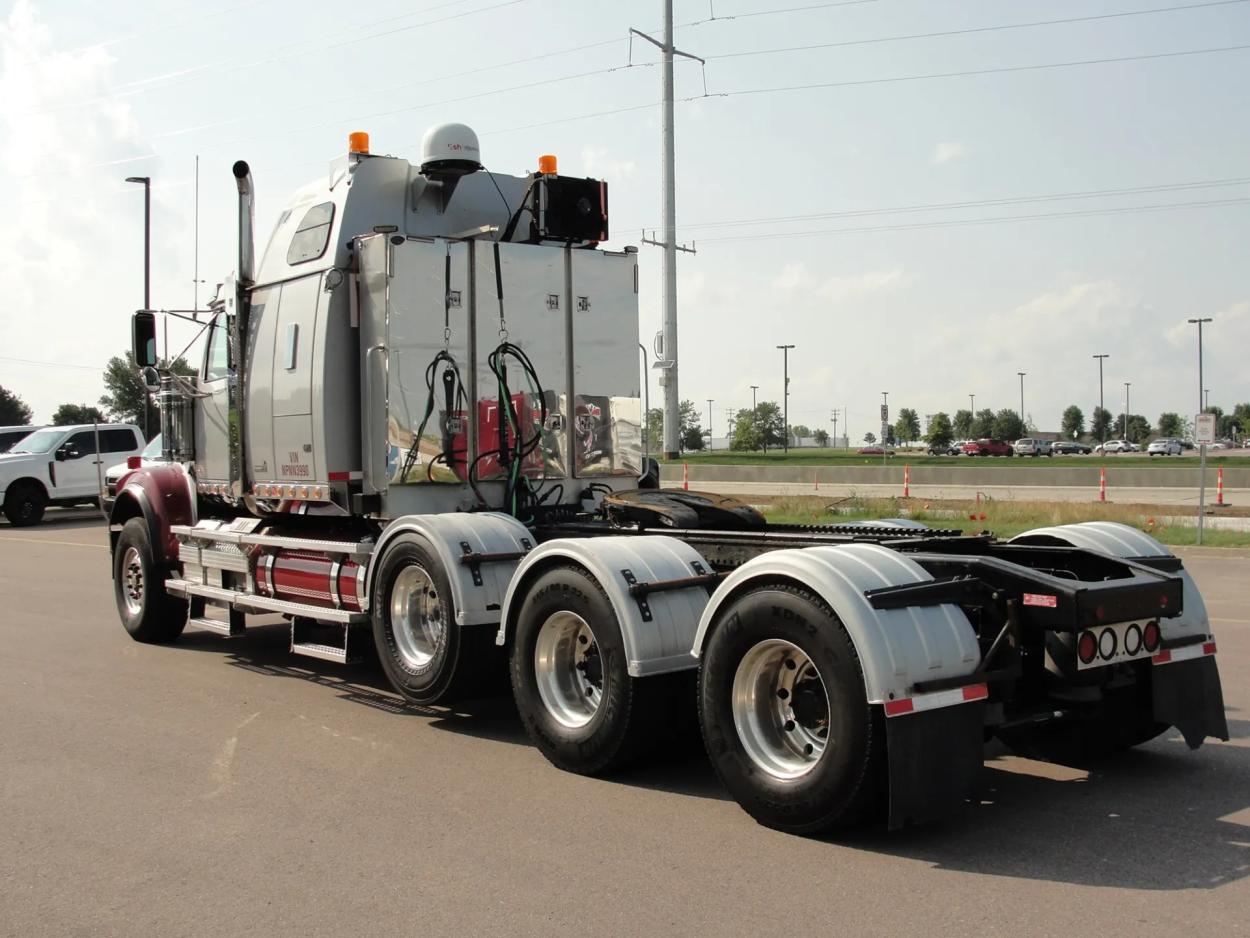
(709, 424)
(1207, 404)
(834, 415)
(972, 404)
(668, 366)
(1126, 410)
(1202, 447)
(1022, 423)
(785, 393)
(1101, 405)
(754, 388)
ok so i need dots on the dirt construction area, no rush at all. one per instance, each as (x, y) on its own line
(224, 787)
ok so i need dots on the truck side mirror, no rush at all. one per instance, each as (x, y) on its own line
(66, 451)
(143, 338)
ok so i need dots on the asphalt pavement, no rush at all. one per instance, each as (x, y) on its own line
(224, 787)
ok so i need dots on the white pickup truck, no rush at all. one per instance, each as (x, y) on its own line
(61, 466)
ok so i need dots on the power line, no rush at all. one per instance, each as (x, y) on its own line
(977, 203)
(31, 361)
(956, 223)
(971, 72)
(975, 29)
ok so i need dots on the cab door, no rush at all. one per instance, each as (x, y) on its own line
(78, 468)
(212, 430)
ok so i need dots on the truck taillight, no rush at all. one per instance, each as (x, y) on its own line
(1151, 637)
(134, 462)
(1086, 647)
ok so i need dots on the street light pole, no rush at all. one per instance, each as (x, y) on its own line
(709, 424)
(834, 414)
(146, 181)
(1207, 402)
(1022, 374)
(972, 404)
(1101, 405)
(1202, 447)
(1126, 410)
(785, 393)
(885, 416)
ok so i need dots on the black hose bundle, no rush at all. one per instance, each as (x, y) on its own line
(453, 400)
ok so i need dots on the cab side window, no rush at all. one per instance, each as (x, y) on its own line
(217, 355)
(83, 442)
(312, 235)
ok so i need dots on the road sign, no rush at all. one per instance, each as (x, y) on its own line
(1204, 429)
(885, 414)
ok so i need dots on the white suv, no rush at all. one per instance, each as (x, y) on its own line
(1031, 447)
(61, 466)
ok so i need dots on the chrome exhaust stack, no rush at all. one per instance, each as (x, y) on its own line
(247, 211)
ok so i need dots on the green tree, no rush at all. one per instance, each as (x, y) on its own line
(982, 424)
(1100, 423)
(941, 433)
(1241, 414)
(746, 435)
(1138, 428)
(799, 431)
(14, 412)
(1007, 425)
(907, 426)
(962, 424)
(692, 436)
(1170, 424)
(68, 414)
(1073, 423)
(125, 398)
(870, 438)
(821, 437)
(654, 430)
(770, 423)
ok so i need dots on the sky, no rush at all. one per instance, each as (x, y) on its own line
(924, 198)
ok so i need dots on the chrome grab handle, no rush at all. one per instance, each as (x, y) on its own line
(373, 481)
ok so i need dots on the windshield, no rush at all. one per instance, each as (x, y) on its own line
(153, 449)
(41, 441)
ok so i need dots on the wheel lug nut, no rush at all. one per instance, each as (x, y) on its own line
(581, 639)
(789, 726)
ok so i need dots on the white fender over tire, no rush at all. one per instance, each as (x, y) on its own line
(1123, 541)
(484, 533)
(657, 640)
(896, 647)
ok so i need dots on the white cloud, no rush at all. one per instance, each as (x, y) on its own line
(597, 164)
(947, 151)
(859, 285)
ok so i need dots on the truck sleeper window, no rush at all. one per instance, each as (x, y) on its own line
(312, 235)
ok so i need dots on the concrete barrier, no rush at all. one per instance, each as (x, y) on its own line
(966, 473)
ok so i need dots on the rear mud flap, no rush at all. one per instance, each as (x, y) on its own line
(935, 758)
(1187, 695)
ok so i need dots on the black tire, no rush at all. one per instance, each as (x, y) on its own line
(24, 504)
(631, 717)
(148, 612)
(463, 660)
(1124, 720)
(845, 786)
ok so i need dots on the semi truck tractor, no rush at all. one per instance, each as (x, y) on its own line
(417, 426)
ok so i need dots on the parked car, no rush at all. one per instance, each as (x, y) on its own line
(1031, 446)
(150, 456)
(874, 451)
(1117, 446)
(1187, 444)
(60, 466)
(1070, 448)
(1164, 447)
(11, 436)
(988, 448)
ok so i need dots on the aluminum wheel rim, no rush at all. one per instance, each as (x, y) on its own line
(132, 580)
(416, 616)
(780, 709)
(568, 669)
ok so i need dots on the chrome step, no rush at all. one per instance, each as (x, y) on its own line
(324, 652)
(239, 538)
(339, 654)
(231, 629)
(249, 602)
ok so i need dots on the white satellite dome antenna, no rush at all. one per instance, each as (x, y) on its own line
(449, 151)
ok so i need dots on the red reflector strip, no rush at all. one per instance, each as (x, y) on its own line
(1185, 653)
(345, 476)
(1041, 599)
(941, 698)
